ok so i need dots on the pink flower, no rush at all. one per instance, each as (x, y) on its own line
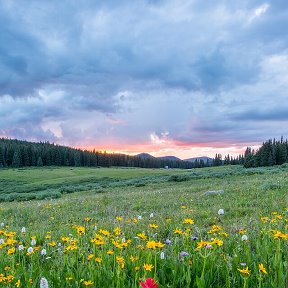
(149, 283)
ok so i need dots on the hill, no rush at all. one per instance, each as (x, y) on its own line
(171, 158)
(203, 158)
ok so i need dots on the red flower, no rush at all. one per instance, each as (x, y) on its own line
(149, 283)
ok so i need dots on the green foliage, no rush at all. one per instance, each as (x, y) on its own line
(32, 183)
(254, 202)
(269, 154)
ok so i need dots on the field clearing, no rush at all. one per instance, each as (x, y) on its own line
(79, 230)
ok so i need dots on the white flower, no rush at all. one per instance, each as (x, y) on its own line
(30, 250)
(244, 237)
(95, 228)
(20, 247)
(23, 230)
(151, 215)
(33, 242)
(139, 217)
(44, 283)
(220, 212)
(43, 252)
(123, 240)
(162, 255)
(2, 224)
(2, 241)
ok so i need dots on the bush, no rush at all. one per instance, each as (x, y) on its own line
(270, 186)
(179, 178)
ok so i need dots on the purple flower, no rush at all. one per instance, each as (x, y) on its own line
(208, 246)
(183, 254)
(194, 238)
(168, 242)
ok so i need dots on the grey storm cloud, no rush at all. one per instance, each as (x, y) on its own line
(120, 69)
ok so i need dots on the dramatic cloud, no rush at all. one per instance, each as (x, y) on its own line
(168, 77)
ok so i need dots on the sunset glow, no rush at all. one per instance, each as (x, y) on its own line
(187, 79)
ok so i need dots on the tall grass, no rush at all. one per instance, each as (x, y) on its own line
(166, 230)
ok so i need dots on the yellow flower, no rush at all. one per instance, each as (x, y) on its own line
(120, 260)
(148, 267)
(215, 228)
(88, 283)
(151, 244)
(18, 283)
(117, 231)
(279, 234)
(80, 230)
(90, 257)
(110, 252)
(188, 221)
(30, 280)
(11, 251)
(52, 244)
(202, 244)
(104, 232)
(244, 271)
(217, 242)
(70, 248)
(119, 218)
(264, 219)
(98, 259)
(242, 231)
(65, 239)
(132, 258)
(142, 235)
(137, 268)
(153, 226)
(178, 231)
(262, 268)
(9, 278)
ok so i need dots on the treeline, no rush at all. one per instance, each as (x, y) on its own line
(272, 152)
(17, 153)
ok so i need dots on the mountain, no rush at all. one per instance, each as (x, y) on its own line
(145, 156)
(204, 158)
(171, 158)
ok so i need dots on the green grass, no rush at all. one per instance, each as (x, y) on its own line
(172, 196)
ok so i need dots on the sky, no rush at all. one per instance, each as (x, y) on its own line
(178, 77)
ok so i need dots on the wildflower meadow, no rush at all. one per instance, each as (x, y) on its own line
(161, 234)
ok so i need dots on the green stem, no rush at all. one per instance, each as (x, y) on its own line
(245, 283)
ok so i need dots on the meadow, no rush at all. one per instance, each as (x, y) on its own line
(113, 227)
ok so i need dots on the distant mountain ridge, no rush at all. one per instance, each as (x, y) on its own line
(171, 158)
(174, 158)
(203, 158)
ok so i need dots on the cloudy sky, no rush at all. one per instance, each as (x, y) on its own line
(177, 77)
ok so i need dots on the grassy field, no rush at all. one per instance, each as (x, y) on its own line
(124, 226)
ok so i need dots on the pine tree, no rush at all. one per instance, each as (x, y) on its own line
(39, 162)
(16, 162)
